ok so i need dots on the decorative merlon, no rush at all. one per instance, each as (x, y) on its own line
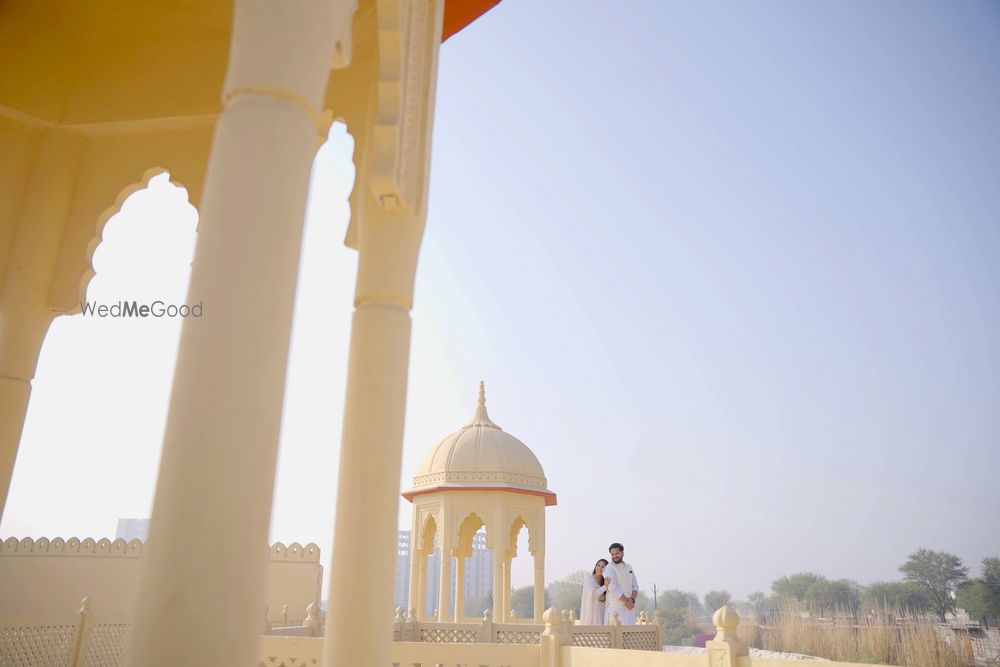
(74, 546)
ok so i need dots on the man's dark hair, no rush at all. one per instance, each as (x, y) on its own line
(616, 545)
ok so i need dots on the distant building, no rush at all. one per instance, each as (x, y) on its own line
(478, 572)
(130, 529)
(479, 569)
(403, 569)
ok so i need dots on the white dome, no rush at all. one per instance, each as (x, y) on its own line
(481, 456)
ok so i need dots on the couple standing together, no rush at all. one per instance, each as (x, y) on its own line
(611, 588)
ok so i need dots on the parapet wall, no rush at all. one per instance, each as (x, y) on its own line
(48, 577)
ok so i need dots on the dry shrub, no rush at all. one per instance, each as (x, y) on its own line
(748, 631)
(876, 638)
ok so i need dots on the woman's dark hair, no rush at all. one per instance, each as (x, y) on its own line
(604, 580)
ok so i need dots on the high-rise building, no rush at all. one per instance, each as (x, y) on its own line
(478, 573)
(403, 569)
(130, 529)
(479, 569)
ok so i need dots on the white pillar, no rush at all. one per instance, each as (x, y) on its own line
(444, 543)
(539, 558)
(459, 586)
(498, 560)
(388, 241)
(413, 598)
(444, 589)
(391, 209)
(216, 473)
(422, 588)
(506, 589)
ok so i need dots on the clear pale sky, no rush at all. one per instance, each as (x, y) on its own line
(731, 270)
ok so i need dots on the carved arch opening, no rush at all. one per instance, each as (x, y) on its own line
(92, 368)
(105, 217)
(470, 524)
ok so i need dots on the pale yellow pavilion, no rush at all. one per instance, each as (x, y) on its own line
(478, 476)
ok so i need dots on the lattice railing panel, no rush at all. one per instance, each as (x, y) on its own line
(592, 639)
(107, 645)
(36, 645)
(639, 640)
(448, 636)
(516, 637)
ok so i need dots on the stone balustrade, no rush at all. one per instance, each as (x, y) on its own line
(74, 640)
(88, 638)
(559, 645)
(644, 637)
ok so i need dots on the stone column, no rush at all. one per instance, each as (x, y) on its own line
(459, 586)
(202, 585)
(422, 587)
(24, 312)
(388, 226)
(413, 599)
(498, 578)
(506, 588)
(539, 559)
(444, 587)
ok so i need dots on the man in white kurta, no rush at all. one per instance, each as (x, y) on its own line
(623, 587)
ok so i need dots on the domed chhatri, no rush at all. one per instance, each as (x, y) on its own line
(479, 477)
(481, 456)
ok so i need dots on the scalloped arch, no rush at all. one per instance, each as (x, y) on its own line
(106, 215)
(517, 524)
(428, 531)
(466, 527)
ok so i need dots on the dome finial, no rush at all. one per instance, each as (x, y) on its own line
(481, 418)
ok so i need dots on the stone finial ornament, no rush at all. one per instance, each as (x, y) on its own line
(481, 418)
(726, 621)
(313, 619)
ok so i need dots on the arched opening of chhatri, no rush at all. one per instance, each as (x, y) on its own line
(479, 476)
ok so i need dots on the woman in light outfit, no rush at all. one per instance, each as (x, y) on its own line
(595, 587)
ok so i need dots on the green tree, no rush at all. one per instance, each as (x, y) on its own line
(677, 610)
(796, 586)
(678, 599)
(715, 600)
(756, 600)
(475, 607)
(938, 573)
(643, 602)
(839, 595)
(565, 594)
(895, 595)
(522, 601)
(991, 580)
(973, 597)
